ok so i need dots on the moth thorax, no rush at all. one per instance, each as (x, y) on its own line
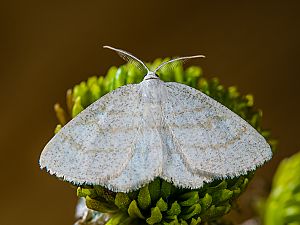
(153, 91)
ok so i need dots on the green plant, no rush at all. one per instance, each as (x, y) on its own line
(161, 202)
(283, 204)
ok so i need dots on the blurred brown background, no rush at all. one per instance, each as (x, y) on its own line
(49, 46)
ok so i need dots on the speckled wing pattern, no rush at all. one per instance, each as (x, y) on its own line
(154, 129)
(154, 154)
(97, 144)
(211, 139)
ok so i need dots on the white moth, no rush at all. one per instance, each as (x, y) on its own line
(154, 129)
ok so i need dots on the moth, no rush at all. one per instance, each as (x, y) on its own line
(139, 132)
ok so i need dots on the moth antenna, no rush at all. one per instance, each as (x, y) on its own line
(173, 63)
(131, 59)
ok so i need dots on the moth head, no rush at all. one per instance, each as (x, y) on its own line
(151, 75)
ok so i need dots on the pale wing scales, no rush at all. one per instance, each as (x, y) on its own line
(155, 152)
(96, 145)
(213, 140)
(145, 164)
(174, 168)
(147, 160)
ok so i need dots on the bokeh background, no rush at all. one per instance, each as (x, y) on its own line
(47, 47)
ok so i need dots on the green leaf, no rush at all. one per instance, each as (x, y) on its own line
(81, 91)
(95, 91)
(193, 71)
(204, 86)
(250, 100)
(144, 198)
(57, 128)
(175, 209)
(245, 183)
(91, 81)
(192, 75)
(134, 211)
(236, 192)
(192, 211)
(220, 186)
(83, 192)
(110, 79)
(166, 189)
(117, 219)
(120, 77)
(104, 193)
(206, 201)
(214, 212)
(154, 189)
(183, 222)
(100, 206)
(196, 221)
(156, 216)
(283, 204)
(101, 82)
(172, 218)
(291, 214)
(179, 75)
(162, 205)
(60, 114)
(122, 201)
(77, 108)
(191, 198)
(221, 195)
